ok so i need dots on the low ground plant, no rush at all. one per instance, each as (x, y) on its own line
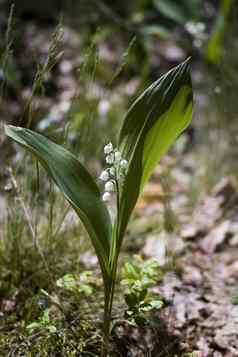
(138, 277)
(149, 128)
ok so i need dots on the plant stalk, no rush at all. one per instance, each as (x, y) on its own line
(107, 317)
(109, 294)
(110, 284)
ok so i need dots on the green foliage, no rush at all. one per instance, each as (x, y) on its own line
(81, 284)
(138, 277)
(178, 11)
(214, 47)
(151, 125)
(6, 59)
(43, 323)
(156, 30)
(44, 69)
(75, 183)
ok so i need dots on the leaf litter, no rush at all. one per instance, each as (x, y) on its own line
(199, 293)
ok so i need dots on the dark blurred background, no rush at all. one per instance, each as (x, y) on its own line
(80, 64)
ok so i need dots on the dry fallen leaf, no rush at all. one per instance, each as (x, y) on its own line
(216, 237)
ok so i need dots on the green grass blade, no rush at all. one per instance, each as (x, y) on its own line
(214, 46)
(151, 125)
(75, 183)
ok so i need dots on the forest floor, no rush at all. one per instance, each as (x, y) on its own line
(201, 292)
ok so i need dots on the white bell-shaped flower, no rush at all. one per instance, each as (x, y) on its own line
(108, 148)
(110, 159)
(117, 156)
(104, 176)
(109, 186)
(124, 164)
(106, 196)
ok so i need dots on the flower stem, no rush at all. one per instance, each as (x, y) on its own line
(107, 317)
(111, 281)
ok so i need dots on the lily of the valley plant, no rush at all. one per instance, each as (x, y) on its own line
(149, 128)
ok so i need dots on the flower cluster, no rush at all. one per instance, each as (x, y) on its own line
(115, 171)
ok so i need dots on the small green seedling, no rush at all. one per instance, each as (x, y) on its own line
(44, 323)
(82, 284)
(151, 125)
(138, 278)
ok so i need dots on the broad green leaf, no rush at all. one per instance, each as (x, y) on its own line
(151, 125)
(75, 183)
